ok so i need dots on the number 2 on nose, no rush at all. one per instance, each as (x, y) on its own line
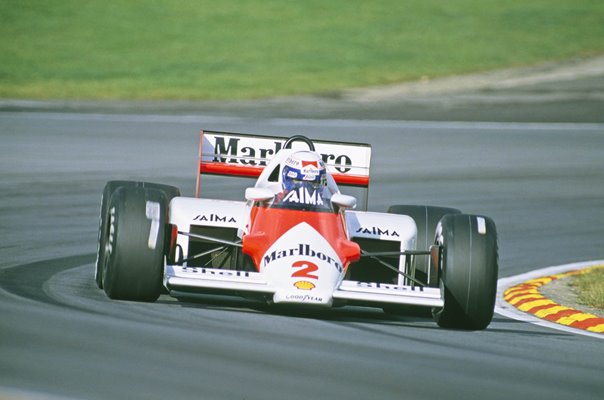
(306, 270)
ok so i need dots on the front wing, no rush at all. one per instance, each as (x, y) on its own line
(197, 279)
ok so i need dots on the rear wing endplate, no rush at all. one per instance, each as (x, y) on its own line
(245, 155)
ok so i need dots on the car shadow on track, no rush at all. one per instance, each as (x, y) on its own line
(401, 315)
(415, 317)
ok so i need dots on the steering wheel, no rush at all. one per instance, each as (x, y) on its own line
(299, 138)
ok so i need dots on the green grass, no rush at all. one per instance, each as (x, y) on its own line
(590, 287)
(161, 49)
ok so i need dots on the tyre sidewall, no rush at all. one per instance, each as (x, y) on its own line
(108, 191)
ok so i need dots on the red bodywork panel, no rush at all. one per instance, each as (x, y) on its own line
(269, 224)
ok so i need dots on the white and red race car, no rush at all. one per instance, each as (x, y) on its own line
(296, 239)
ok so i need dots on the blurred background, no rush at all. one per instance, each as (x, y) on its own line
(247, 49)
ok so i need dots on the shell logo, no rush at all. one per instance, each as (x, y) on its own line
(304, 285)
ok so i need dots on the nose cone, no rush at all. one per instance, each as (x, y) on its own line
(303, 266)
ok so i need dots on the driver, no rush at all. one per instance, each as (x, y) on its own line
(303, 178)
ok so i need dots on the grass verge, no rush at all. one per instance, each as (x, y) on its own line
(590, 287)
(237, 49)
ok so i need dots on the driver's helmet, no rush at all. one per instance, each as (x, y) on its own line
(303, 169)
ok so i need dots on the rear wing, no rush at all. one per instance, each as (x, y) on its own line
(245, 155)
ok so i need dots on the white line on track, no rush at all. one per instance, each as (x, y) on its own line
(209, 119)
(504, 308)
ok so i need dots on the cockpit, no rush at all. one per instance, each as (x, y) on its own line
(298, 180)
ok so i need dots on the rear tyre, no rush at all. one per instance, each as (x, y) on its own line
(135, 248)
(110, 187)
(468, 265)
(426, 218)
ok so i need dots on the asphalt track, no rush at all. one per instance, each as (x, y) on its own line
(60, 336)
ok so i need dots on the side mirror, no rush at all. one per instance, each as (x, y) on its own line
(258, 194)
(343, 201)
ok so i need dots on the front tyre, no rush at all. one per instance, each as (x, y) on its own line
(134, 257)
(468, 266)
(110, 188)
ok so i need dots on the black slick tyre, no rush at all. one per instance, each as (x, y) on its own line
(135, 249)
(468, 276)
(110, 188)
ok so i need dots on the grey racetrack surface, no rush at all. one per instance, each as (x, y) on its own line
(543, 184)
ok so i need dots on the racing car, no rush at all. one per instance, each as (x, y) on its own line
(295, 239)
